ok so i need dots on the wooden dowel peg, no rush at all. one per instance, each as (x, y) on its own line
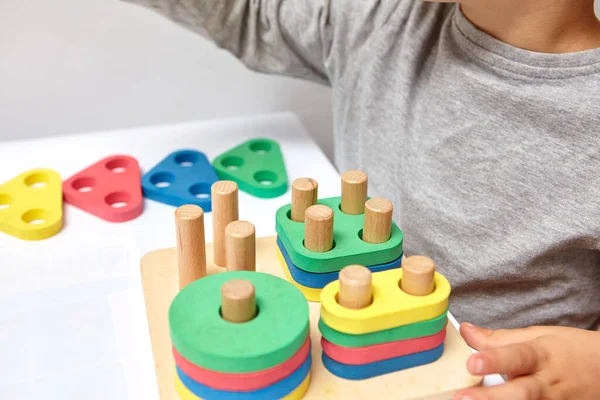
(238, 301)
(191, 249)
(224, 197)
(304, 195)
(418, 273)
(240, 246)
(378, 221)
(318, 229)
(355, 287)
(354, 192)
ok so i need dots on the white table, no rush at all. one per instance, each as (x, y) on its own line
(72, 317)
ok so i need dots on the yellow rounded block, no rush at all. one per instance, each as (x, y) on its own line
(297, 394)
(391, 307)
(311, 294)
(31, 205)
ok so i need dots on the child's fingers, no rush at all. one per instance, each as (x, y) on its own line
(523, 388)
(481, 338)
(514, 359)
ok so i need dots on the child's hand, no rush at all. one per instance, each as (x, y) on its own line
(541, 363)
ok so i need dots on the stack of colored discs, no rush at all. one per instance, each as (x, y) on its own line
(264, 357)
(395, 331)
(311, 271)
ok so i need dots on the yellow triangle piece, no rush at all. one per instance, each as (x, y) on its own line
(31, 205)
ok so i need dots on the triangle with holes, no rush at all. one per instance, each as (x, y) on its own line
(31, 205)
(183, 177)
(109, 189)
(257, 166)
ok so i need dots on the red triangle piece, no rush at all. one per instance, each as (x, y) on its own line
(110, 189)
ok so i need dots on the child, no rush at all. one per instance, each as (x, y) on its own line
(480, 121)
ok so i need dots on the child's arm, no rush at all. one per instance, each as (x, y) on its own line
(541, 363)
(309, 39)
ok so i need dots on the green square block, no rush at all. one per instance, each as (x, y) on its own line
(348, 249)
(257, 166)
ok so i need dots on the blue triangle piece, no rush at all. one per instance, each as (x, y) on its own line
(183, 177)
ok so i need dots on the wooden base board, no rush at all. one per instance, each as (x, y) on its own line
(435, 381)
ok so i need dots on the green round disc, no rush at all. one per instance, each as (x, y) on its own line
(405, 332)
(203, 337)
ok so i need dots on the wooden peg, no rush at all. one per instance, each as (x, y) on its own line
(224, 196)
(354, 192)
(191, 250)
(318, 230)
(240, 246)
(304, 195)
(418, 274)
(378, 221)
(355, 287)
(238, 301)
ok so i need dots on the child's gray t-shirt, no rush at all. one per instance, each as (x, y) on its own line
(491, 154)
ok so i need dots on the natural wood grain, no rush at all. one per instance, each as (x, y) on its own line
(318, 229)
(418, 275)
(355, 287)
(224, 196)
(304, 194)
(354, 192)
(191, 252)
(436, 381)
(378, 221)
(240, 246)
(238, 301)
(160, 285)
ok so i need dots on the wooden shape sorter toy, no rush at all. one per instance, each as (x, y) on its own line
(361, 302)
(109, 189)
(244, 382)
(319, 281)
(391, 307)
(347, 248)
(317, 238)
(31, 205)
(257, 166)
(241, 331)
(383, 351)
(183, 177)
(403, 332)
(201, 334)
(232, 324)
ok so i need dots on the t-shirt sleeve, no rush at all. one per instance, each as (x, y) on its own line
(308, 39)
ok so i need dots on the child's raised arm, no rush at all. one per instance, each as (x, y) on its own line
(308, 39)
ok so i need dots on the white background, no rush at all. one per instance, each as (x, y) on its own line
(70, 66)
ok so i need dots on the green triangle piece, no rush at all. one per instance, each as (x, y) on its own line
(257, 166)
